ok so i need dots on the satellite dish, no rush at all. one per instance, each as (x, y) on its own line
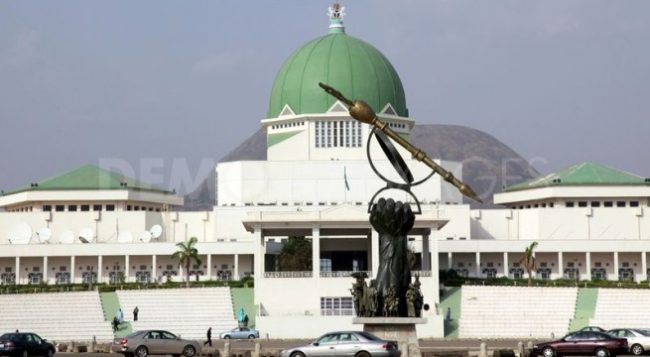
(146, 237)
(86, 235)
(21, 234)
(156, 231)
(66, 237)
(44, 234)
(125, 237)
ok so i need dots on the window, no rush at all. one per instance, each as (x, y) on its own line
(85, 208)
(634, 203)
(128, 207)
(72, 208)
(595, 203)
(569, 204)
(342, 133)
(582, 204)
(620, 203)
(336, 306)
(60, 208)
(608, 204)
(326, 265)
(97, 207)
(47, 208)
(110, 207)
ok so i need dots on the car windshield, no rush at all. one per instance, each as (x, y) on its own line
(369, 336)
(10, 337)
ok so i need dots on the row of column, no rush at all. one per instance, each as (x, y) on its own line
(506, 266)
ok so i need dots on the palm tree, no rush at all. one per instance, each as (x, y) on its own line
(528, 260)
(185, 254)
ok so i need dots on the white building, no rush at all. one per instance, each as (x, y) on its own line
(590, 220)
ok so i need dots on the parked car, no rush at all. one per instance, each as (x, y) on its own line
(240, 332)
(155, 342)
(584, 343)
(25, 344)
(593, 328)
(637, 339)
(346, 343)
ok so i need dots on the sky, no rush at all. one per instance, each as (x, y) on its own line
(162, 89)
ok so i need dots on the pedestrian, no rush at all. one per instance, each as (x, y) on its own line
(115, 323)
(120, 316)
(209, 335)
(135, 313)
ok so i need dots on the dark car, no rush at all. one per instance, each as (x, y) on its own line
(24, 344)
(583, 343)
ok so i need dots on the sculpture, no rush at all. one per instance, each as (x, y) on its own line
(392, 293)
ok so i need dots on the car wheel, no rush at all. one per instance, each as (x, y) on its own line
(297, 354)
(50, 353)
(362, 354)
(189, 351)
(25, 353)
(250, 337)
(548, 352)
(141, 351)
(227, 337)
(636, 349)
(602, 352)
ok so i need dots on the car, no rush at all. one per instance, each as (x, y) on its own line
(155, 342)
(583, 343)
(346, 343)
(593, 328)
(24, 344)
(240, 332)
(637, 339)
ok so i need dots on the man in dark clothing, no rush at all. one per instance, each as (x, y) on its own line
(209, 335)
(135, 313)
(115, 323)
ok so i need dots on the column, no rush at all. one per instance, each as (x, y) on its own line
(100, 269)
(450, 261)
(506, 265)
(45, 270)
(478, 264)
(560, 264)
(17, 270)
(615, 265)
(258, 265)
(374, 241)
(236, 272)
(73, 269)
(644, 266)
(588, 267)
(209, 263)
(127, 268)
(154, 269)
(315, 252)
(426, 253)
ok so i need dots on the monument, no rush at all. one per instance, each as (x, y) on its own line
(390, 305)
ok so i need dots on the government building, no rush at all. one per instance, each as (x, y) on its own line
(90, 224)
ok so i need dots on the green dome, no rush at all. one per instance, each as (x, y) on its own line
(354, 67)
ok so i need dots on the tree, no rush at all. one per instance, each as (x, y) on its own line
(295, 255)
(185, 254)
(528, 260)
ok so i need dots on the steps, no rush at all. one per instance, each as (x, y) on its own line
(585, 308)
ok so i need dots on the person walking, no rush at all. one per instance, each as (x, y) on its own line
(209, 335)
(135, 313)
(120, 316)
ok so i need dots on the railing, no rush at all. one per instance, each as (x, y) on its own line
(287, 274)
(340, 274)
(421, 273)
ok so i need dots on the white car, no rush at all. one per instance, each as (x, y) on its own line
(637, 339)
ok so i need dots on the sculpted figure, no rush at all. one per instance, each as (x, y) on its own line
(393, 220)
(358, 291)
(418, 297)
(371, 302)
(410, 301)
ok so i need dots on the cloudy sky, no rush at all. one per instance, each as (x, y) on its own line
(166, 88)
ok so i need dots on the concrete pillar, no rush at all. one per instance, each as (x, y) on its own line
(45, 270)
(17, 270)
(258, 263)
(209, 264)
(127, 268)
(506, 265)
(644, 266)
(315, 252)
(154, 269)
(374, 241)
(560, 264)
(483, 352)
(426, 253)
(450, 261)
(73, 269)
(100, 269)
(615, 265)
(588, 267)
(236, 272)
(478, 264)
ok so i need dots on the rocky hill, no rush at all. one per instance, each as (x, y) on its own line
(488, 164)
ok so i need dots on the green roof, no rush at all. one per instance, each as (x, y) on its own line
(352, 66)
(90, 177)
(584, 174)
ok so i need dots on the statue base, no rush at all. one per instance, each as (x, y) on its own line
(400, 329)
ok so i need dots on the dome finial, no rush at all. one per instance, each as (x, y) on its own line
(336, 13)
